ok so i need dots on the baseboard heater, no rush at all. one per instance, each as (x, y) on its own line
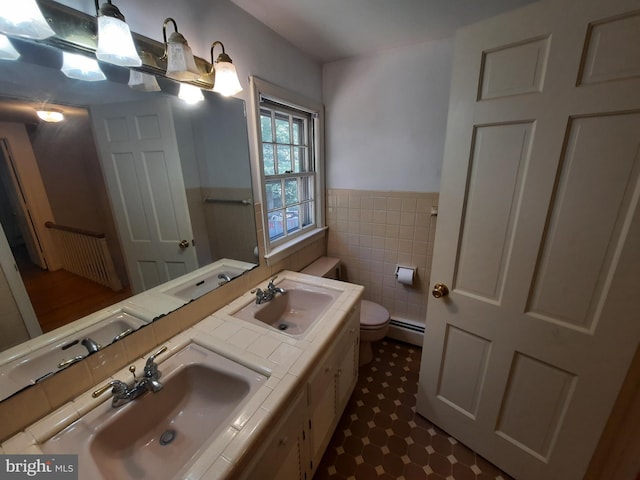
(408, 331)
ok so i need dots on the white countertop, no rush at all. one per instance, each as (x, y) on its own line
(286, 360)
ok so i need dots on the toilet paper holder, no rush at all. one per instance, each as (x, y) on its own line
(406, 274)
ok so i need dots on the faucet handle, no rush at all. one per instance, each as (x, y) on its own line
(122, 334)
(152, 357)
(271, 285)
(132, 369)
(150, 367)
(116, 387)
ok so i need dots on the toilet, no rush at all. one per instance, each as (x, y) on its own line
(374, 318)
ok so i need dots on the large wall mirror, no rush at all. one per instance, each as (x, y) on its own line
(163, 186)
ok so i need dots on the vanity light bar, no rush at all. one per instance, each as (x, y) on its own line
(76, 32)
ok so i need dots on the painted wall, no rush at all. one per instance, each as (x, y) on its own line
(386, 117)
(75, 196)
(78, 197)
(214, 154)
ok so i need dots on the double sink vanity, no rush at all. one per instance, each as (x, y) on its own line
(254, 390)
(51, 353)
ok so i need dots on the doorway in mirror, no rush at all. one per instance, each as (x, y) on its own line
(61, 297)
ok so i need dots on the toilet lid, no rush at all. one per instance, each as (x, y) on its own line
(372, 315)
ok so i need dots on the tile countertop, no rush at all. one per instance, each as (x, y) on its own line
(286, 360)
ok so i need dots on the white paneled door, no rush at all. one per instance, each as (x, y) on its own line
(538, 236)
(141, 162)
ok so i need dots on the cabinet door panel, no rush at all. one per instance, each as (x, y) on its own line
(285, 456)
(322, 420)
(346, 376)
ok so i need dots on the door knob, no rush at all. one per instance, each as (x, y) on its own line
(440, 290)
(184, 244)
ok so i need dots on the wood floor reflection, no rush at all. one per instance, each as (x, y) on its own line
(61, 297)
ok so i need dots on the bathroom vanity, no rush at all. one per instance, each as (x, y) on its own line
(255, 400)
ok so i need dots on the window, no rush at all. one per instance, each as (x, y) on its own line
(289, 136)
(288, 169)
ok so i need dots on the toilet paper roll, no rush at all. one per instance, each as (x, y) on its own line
(405, 275)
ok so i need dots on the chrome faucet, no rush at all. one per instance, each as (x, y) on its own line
(70, 361)
(266, 295)
(91, 345)
(224, 278)
(120, 391)
(122, 334)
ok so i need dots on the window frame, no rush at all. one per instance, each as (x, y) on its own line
(305, 174)
(263, 90)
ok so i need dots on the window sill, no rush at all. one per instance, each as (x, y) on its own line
(288, 248)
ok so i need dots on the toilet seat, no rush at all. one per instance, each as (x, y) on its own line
(373, 316)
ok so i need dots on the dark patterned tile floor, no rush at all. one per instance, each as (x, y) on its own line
(380, 435)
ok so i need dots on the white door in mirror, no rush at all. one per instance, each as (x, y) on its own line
(141, 162)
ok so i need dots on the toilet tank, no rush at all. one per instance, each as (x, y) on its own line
(327, 267)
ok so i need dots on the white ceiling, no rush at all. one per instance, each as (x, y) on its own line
(329, 30)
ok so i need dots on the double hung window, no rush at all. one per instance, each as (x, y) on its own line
(288, 168)
(290, 148)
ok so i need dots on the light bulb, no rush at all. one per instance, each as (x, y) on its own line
(180, 62)
(81, 67)
(226, 81)
(115, 44)
(51, 116)
(23, 18)
(143, 82)
(190, 94)
(7, 52)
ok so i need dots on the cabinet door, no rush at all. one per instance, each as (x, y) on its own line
(285, 456)
(322, 400)
(347, 365)
(286, 453)
(347, 375)
(331, 386)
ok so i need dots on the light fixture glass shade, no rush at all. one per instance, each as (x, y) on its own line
(115, 44)
(7, 52)
(81, 67)
(143, 82)
(180, 62)
(190, 93)
(23, 18)
(52, 116)
(226, 81)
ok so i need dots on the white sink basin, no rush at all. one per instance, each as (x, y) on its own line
(211, 277)
(159, 434)
(53, 357)
(293, 312)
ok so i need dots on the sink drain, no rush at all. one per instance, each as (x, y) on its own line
(167, 437)
(283, 326)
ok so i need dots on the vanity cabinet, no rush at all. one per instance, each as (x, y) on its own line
(330, 387)
(294, 451)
